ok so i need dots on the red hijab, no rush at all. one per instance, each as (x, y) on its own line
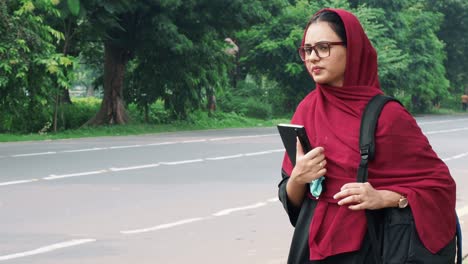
(405, 162)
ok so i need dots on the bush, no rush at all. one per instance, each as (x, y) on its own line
(81, 110)
(26, 119)
(256, 109)
(156, 113)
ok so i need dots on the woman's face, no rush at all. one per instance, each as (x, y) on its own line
(329, 70)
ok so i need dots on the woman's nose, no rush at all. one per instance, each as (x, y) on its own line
(312, 56)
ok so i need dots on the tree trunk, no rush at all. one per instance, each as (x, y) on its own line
(65, 99)
(210, 94)
(90, 90)
(112, 108)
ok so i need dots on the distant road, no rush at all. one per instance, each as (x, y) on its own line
(187, 197)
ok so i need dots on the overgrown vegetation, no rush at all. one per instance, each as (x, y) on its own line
(167, 61)
(83, 109)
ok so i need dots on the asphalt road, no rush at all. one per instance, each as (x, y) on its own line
(189, 197)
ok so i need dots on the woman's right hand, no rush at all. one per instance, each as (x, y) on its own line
(309, 166)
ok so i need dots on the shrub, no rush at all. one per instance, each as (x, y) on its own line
(79, 112)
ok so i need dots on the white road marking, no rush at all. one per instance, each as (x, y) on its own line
(124, 147)
(17, 182)
(446, 131)
(135, 167)
(194, 141)
(54, 177)
(264, 152)
(277, 150)
(163, 226)
(33, 154)
(181, 162)
(273, 200)
(145, 145)
(459, 156)
(231, 210)
(257, 153)
(49, 248)
(226, 157)
(82, 150)
(144, 166)
(162, 143)
(442, 121)
(191, 220)
(221, 138)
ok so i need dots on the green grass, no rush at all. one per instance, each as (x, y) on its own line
(446, 111)
(196, 121)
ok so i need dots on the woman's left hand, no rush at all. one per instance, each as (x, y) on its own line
(360, 196)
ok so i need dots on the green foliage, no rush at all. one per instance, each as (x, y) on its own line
(418, 76)
(157, 114)
(190, 32)
(270, 50)
(30, 69)
(74, 6)
(453, 34)
(252, 98)
(427, 82)
(176, 55)
(76, 114)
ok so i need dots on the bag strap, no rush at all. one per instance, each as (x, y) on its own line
(367, 133)
(367, 148)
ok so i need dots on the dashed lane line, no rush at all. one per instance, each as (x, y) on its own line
(442, 121)
(231, 210)
(82, 150)
(172, 163)
(54, 177)
(163, 226)
(461, 212)
(181, 162)
(33, 154)
(446, 131)
(48, 248)
(226, 157)
(135, 167)
(197, 219)
(140, 145)
(17, 182)
(459, 156)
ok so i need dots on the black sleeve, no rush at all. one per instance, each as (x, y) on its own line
(293, 212)
(300, 218)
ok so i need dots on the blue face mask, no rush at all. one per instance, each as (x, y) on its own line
(316, 187)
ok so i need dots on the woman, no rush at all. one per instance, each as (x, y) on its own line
(406, 173)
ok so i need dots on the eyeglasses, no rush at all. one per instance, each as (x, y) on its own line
(322, 49)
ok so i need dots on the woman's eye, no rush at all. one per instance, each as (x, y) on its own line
(322, 47)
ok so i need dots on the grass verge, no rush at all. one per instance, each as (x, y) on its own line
(196, 121)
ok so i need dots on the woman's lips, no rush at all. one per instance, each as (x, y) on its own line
(316, 70)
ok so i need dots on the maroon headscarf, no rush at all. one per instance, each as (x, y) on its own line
(405, 162)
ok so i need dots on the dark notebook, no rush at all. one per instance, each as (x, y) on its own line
(288, 133)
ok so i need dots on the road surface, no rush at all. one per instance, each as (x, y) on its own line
(187, 197)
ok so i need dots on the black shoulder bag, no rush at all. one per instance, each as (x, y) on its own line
(367, 148)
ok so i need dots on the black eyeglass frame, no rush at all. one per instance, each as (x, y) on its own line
(302, 49)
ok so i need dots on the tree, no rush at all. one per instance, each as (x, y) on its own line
(30, 69)
(181, 57)
(271, 49)
(451, 32)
